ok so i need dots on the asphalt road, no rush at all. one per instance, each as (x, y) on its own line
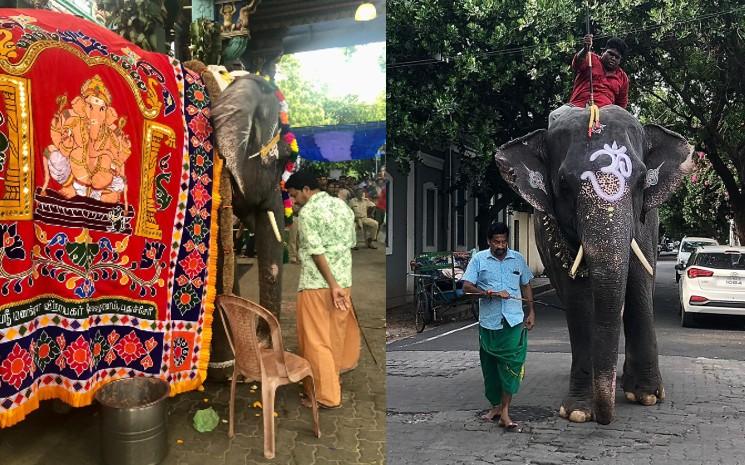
(716, 337)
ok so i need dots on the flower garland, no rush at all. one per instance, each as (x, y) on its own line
(289, 138)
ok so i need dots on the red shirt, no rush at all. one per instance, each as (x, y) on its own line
(609, 87)
(381, 199)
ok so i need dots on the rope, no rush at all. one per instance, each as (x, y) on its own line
(594, 122)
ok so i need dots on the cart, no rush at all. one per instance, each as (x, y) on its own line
(438, 288)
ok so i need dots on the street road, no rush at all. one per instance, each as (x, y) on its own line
(435, 396)
(716, 336)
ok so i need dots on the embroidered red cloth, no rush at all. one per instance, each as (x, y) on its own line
(609, 88)
(108, 201)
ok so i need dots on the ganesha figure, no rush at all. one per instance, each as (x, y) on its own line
(89, 147)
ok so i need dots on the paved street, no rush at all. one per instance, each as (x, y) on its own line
(353, 434)
(435, 394)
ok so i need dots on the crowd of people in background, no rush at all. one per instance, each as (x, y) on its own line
(366, 197)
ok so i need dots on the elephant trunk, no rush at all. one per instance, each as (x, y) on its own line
(606, 247)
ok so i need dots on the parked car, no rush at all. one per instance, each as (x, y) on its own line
(713, 281)
(688, 245)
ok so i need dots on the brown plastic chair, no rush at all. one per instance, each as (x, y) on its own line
(273, 367)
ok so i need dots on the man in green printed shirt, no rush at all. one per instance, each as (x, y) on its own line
(328, 335)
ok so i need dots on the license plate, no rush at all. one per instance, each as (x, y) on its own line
(734, 282)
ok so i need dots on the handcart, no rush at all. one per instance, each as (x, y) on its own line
(438, 288)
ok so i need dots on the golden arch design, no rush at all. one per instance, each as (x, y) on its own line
(33, 52)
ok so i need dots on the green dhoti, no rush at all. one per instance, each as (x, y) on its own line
(502, 353)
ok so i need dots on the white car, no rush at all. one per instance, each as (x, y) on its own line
(688, 245)
(713, 281)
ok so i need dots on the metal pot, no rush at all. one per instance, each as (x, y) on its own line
(133, 421)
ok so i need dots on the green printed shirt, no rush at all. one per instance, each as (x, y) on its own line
(325, 227)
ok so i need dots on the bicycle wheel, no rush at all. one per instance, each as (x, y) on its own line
(475, 308)
(422, 311)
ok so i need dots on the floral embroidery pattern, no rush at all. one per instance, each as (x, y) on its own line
(16, 367)
(46, 350)
(130, 348)
(151, 254)
(180, 351)
(78, 355)
(12, 244)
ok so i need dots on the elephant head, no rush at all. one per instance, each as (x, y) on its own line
(596, 194)
(246, 120)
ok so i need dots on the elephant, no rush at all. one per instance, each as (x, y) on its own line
(596, 225)
(246, 119)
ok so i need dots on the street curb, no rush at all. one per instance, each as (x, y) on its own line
(542, 288)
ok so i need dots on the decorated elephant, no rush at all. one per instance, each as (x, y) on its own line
(252, 135)
(111, 188)
(596, 225)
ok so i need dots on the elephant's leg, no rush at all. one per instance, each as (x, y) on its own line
(269, 255)
(641, 372)
(577, 405)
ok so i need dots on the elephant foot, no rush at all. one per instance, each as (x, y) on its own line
(646, 398)
(645, 392)
(576, 411)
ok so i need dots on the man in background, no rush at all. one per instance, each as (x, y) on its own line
(360, 205)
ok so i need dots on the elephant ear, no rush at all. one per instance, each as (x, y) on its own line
(668, 159)
(522, 163)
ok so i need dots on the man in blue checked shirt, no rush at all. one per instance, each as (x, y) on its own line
(501, 277)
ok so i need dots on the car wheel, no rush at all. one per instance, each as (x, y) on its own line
(677, 277)
(686, 318)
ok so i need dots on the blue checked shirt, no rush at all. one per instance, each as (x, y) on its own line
(491, 274)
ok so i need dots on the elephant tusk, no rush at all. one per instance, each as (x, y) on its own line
(273, 222)
(641, 257)
(577, 262)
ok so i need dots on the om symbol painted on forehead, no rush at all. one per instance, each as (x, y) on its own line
(620, 167)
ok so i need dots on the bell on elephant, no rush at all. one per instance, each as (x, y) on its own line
(596, 227)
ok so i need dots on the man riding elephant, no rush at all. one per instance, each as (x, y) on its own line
(599, 77)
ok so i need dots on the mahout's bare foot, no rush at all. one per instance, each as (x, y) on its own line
(492, 413)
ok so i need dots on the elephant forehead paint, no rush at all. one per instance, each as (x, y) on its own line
(617, 172)
(108, 215)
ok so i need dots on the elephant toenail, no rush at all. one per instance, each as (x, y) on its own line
(630, 396)
(578, 416)
(562, 412)
(649, 400)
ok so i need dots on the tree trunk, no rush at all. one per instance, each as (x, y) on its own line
(738, 209)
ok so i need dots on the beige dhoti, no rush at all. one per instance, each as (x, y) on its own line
(329, 339)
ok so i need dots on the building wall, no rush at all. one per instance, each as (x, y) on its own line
(521, 224)
(408, 211)
(397, 261)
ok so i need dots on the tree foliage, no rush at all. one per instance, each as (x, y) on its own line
(311, 105)
(481, 72)
(700, 207)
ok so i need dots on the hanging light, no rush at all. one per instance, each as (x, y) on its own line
(365, 12)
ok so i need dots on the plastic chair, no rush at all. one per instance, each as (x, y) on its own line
(273, 367)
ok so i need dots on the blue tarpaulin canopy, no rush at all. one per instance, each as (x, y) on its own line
(342, 142)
